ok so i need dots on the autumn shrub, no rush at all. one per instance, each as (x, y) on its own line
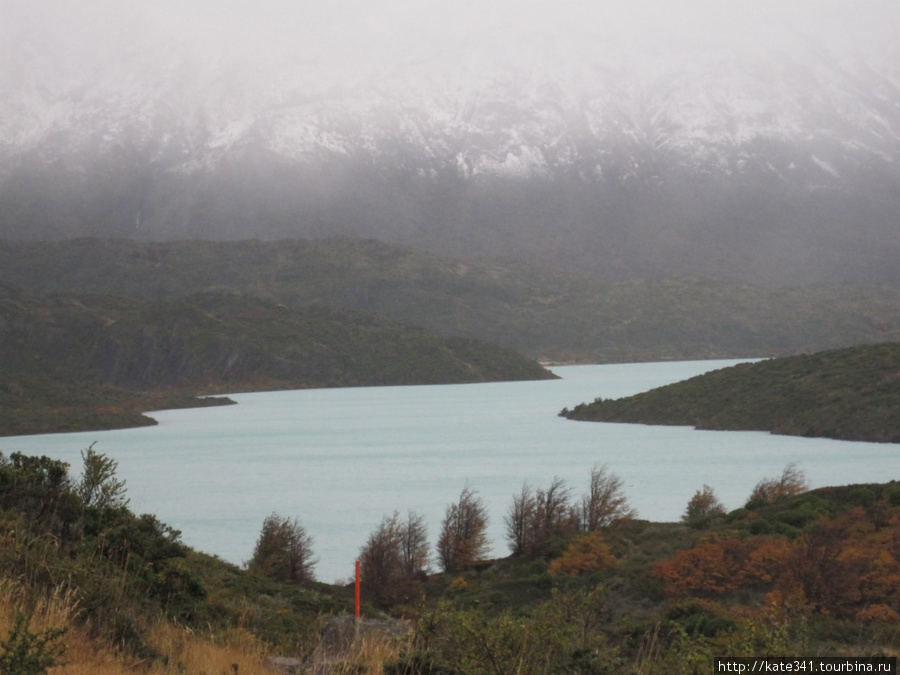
(879, 613)
(841, 564)
(709, 569)
(588, 553)
(768, 558)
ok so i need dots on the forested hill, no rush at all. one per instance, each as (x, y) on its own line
(545, 313)
(71, 362)
(847, 394)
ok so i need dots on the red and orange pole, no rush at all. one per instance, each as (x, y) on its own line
(357, 589)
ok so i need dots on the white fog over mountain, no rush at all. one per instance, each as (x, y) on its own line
(755, 141)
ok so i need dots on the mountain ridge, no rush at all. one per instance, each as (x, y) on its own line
(706, 157)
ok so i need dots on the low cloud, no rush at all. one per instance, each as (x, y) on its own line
(348, 43)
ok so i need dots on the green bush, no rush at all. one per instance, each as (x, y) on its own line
(417, 663)
(27, 653)
(701, 618)
(862, 496)
(892, 494)
(760, 526)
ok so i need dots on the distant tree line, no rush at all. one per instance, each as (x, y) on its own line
(539, 517)
(546, 522)
(538, 524)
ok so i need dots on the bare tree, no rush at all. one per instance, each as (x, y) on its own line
(519, 521)
(396, 551)
(605, 501)
(283, 551)
(538, 517)
(380, 558)
(414, 545)
(463, 539)
(791, 482)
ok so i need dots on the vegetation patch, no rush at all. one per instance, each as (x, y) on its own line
(72, 363)
(543, 312)
(846, 394)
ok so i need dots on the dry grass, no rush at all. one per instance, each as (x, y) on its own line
(183, 651)
(234, 651)
(374, 650)
(366, 653)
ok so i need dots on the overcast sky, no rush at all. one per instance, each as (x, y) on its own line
(345, 42)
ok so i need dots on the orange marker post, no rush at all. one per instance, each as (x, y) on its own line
(357, 589)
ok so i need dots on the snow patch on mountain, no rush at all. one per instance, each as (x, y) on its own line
(825, 166)
(633, 98)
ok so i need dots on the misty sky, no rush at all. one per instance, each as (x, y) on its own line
(58, 44)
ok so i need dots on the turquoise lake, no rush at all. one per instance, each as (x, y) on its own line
(340, 459)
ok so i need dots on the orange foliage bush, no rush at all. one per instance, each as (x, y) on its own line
(847, 565)
(585, 555)
(710, 568)
(768, 558)
(881, 613)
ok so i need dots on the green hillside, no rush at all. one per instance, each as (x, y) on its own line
(72, 362)
(545, 313)
(848, 394)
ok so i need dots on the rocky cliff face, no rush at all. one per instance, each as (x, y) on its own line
(765, 152)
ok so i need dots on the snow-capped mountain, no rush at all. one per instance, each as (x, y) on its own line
(768, 153)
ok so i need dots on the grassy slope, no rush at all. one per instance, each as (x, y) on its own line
(849, 394)
(131, 594)
(77, 362)
(548, 314)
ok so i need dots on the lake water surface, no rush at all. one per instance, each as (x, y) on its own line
(340, 459)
